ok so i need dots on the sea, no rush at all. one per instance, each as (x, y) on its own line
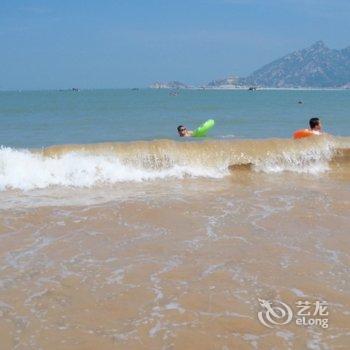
(115, 233)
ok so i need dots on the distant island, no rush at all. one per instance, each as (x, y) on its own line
(169, 85)
(314, 67)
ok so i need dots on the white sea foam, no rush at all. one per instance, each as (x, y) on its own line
(22, 169)
(313, 161)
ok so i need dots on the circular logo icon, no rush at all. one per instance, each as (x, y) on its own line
(274, 313)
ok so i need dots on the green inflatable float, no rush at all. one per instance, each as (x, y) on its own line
(202, 130)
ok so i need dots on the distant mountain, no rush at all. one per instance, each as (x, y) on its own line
(316, 66)
(169, 85)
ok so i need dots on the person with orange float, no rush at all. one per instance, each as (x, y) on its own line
(315, 129)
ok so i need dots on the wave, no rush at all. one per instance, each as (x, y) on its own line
(94, 164)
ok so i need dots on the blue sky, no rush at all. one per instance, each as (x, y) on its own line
(127, 43)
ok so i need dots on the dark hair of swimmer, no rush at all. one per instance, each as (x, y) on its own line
(179, 128)
(314, 122)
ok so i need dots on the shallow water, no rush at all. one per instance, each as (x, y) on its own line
(180, 265)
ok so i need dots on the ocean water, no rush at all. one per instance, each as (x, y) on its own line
(42, 118)
(117, 234)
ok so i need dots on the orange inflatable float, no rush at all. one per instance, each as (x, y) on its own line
(299, 134)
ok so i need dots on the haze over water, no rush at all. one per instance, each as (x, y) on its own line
(116, 234)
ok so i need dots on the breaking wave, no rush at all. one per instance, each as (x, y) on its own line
(94, 164)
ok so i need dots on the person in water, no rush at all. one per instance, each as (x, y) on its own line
(183, 132)
(315, 126)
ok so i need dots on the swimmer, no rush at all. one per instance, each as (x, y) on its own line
(315, 126)
(315, 129)
(183, 132)
(201, 131)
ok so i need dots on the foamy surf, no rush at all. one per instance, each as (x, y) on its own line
(108, 163)
(26, 170)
